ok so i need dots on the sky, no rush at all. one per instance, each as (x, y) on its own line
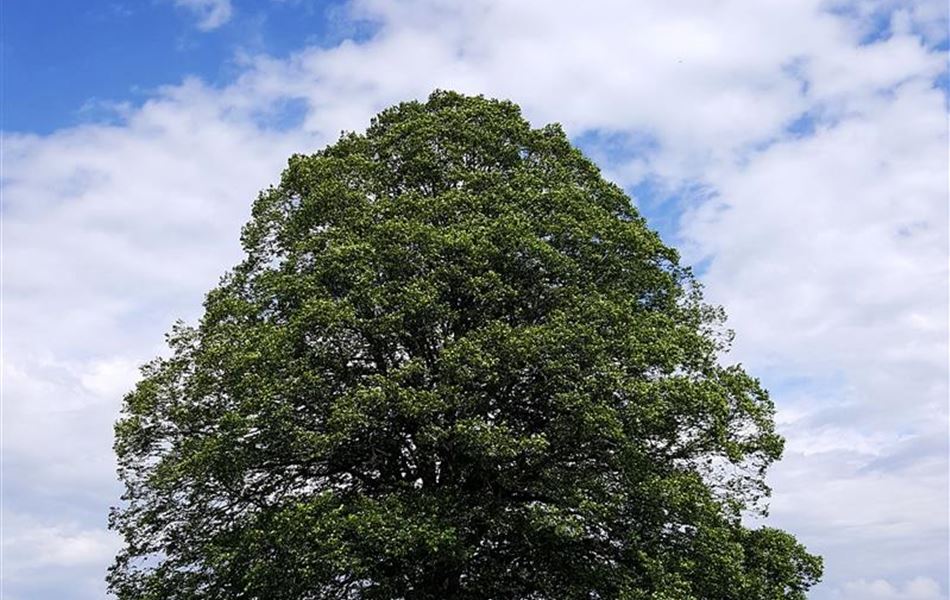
(795, 151)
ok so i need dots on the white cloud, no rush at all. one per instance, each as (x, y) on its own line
(211, 14)
(60, 555)
(828, 248)
(830, 252)
(111, 233)
(919, 588)
(869, 515)
(57, 555)
(110, 377)
(34, 546)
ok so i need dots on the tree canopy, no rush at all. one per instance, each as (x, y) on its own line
(454, 363)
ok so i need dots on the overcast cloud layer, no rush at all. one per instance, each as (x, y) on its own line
(800, 147)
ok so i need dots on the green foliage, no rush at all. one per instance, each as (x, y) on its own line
(455, 363)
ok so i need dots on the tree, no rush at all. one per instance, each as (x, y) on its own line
(455, 363)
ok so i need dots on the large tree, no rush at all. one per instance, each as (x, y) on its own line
(455, 363)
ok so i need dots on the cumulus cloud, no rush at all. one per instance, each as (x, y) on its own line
(830, 251)
(112, 233)
(59, 545)
(110, 377)
(54, 559)
(211, 14)
(806, 141)
(919, 588)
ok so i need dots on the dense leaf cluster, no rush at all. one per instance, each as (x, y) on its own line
(455, 363)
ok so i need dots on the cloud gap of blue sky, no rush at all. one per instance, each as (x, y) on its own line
(660, 201)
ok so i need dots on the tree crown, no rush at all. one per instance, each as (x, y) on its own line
(454, 363)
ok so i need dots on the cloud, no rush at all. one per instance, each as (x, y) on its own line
(867, 520)
(54, 559)
(110, 377)
(830, 253)
(919, 588)
(805, 141)
(57, 545)
(211, 14)
(111, 233)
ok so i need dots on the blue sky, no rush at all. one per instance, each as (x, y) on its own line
(72, 56)
(794, 151)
